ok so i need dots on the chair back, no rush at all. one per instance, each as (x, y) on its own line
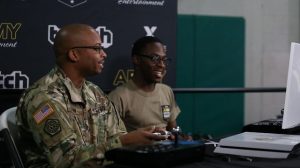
(9, 130)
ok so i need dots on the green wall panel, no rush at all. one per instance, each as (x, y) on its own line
(210, 54)
(183, 68)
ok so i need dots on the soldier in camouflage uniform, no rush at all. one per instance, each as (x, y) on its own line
(65, 120)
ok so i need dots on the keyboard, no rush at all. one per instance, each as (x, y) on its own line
(161, 154)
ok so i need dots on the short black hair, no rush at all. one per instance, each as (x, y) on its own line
(140, 44)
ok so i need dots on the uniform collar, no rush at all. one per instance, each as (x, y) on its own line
(76, 94)
(140, 91)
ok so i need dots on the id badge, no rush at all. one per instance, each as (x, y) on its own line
(166, 112)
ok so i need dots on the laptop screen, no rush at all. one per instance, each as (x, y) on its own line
(291, 116)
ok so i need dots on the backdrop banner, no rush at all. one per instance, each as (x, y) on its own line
(28, 27)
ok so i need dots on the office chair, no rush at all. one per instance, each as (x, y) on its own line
(10, 134)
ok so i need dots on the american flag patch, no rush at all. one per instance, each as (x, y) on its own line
(43, 113)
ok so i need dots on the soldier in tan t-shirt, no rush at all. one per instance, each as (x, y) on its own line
(144, 101)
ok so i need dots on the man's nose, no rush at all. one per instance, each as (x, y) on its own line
(103, 54)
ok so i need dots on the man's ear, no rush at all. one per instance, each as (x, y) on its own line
(136, 60)
(73, 56)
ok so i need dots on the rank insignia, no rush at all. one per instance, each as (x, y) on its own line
(52, 127)
(43, 113)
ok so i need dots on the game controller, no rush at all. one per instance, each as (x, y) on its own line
(168, 133)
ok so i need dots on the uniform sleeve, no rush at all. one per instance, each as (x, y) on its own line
(54, 134)
(116, 97)
(115, 128)
(175, 110)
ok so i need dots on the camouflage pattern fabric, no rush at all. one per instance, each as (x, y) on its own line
(63, 126)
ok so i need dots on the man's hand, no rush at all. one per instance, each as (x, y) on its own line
(141, 136)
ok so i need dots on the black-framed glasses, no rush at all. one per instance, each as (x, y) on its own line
(96, 48)
(156, 59)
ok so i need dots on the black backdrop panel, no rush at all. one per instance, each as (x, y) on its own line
(27, 29)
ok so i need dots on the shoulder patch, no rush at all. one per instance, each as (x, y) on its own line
(43, 113)
(52, 127)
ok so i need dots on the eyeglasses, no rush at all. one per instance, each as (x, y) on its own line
(156, 59)
(96, 48)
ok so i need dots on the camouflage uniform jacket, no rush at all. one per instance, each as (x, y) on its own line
(62, 126)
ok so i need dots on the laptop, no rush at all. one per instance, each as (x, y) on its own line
(272, 145)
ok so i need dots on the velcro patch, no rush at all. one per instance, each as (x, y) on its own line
(166, 111)
(43, 113)
(52, 127)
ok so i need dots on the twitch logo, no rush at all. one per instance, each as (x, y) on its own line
(15, 80)
(105, 34)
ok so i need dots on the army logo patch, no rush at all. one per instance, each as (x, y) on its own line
(43, 113)
(165, 109)
(52, 127)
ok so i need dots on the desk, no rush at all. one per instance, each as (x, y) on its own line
(212, 160)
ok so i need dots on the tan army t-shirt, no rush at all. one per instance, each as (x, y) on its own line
(140, 109)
